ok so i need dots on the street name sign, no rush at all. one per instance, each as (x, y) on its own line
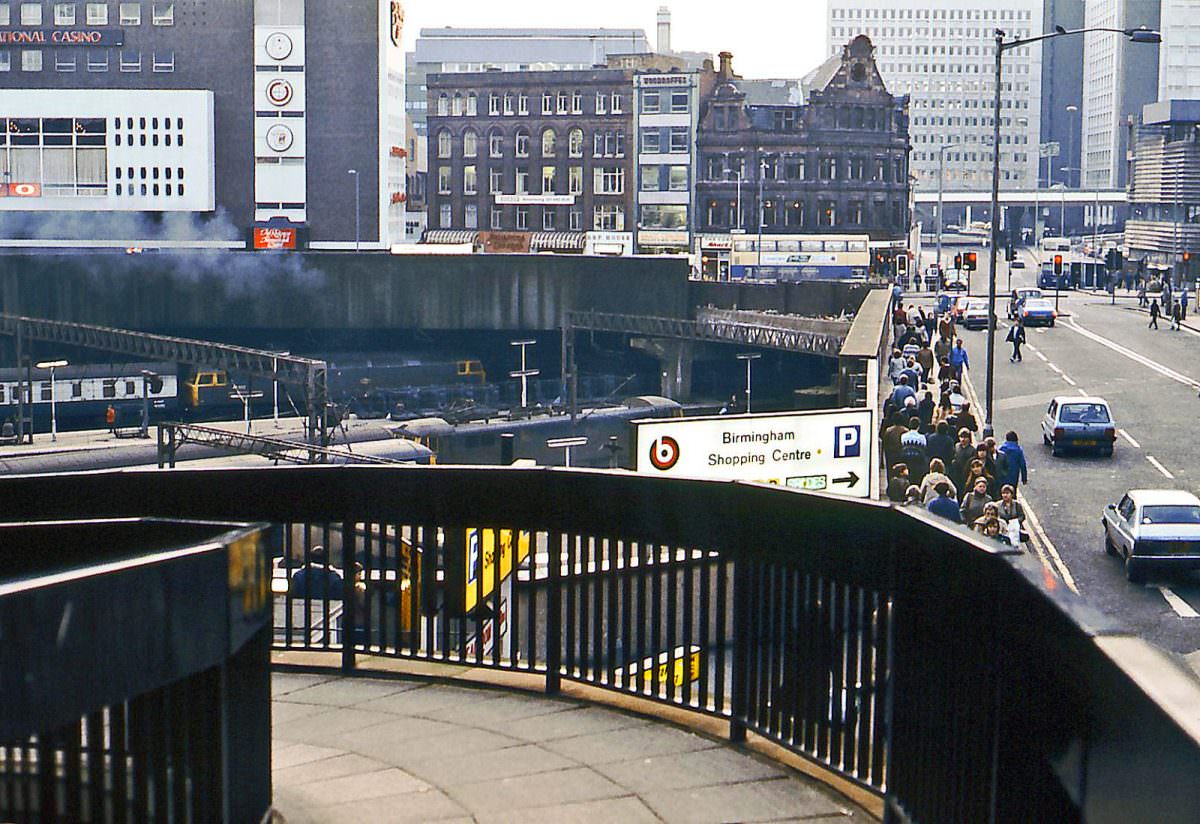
(826, 451)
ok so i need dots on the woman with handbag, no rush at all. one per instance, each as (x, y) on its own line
(1009, 509)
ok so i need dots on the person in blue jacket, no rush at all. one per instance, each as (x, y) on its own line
(1011, 458)
(943, 505)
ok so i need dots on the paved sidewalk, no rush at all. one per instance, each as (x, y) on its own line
(358, 749)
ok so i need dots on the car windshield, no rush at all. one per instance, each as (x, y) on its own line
(1036, 305)
(1084, 413)
(1175, 514)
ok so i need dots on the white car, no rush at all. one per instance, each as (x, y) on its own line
(955, 281)
(1154, 528)
(1074, 422)
(975, 316)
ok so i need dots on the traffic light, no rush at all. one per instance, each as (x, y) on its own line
(902, 263)
(1058, 264)
(958, 261)
(970, 261)
(1187, 256)
(1010, 254)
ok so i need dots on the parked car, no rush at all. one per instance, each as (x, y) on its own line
(1017, 263)
(975, 316)
(1154, 528)
(1037, 312)
(1014, 304)
(1073, 422)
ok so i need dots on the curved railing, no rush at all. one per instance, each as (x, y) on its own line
(954, 678)
(134, 681)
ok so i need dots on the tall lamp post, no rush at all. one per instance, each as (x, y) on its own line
(941, 185)
(52, 365)
(357, 210)
(762, 173)
(1071, 142)
(1002, 45)
(749, 358)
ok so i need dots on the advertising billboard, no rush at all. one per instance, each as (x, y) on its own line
(825, 451)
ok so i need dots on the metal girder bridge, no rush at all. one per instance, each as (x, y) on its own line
(173, 435)
(756, 330)
(306, 372)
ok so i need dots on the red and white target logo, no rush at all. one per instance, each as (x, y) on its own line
(664, 453)
(279, 92)
(25, 189)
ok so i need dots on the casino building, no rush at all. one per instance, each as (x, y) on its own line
(262, 123)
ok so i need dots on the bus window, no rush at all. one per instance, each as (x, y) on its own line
(812, 246)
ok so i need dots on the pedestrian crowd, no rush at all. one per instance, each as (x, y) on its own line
(931, 446)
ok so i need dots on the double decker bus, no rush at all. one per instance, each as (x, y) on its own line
(800, 257)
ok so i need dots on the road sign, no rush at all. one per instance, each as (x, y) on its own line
(825, 451)
(485, 541)
(673, 668)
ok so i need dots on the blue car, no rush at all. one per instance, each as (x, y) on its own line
(1037, 312)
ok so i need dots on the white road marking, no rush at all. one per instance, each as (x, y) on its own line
(1129, 438)
(1133, 356)
(1055, 368)
(1154, 461)
(1182, 608)
(1083, 392)
(1067, 378)
(1031, 348)
(1040, 355)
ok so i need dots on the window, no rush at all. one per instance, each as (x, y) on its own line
(577, 103)
(497, 217)
(508, 103)
(649, 179)
(651, 103)
(64, 14)
(615, 107)
(608, 180)
(522, 181)
(547, 103)
(495, 143)
(679, 178)
(131, 60)
(97, 14)
(548, 175)
(162, 14)
(651, 141)
(575, 180)
(575, 143)
(471, 216)
(609, 217)
(549, 143)
(522, 217)
(444, 143)
(164, 61)
(472, 104)
(456, 107)
(64, 61)
(608, 144)
(31, 14)
(547, 219)
(679, 140)
(445, 215)
(663, 216)
(470, 143)
(443, 180)
(601, 103)
(5, 18)
(493, 104)
(679, 102)
(829, 168)
(443, 105)
(563, 102)
(130, 14)
(470, 181)
(495, 181)
(576, 220)
(523, 103)
(31, 60)
(522, 143)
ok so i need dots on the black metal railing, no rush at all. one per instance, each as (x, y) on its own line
(134, 681)
(955, 678)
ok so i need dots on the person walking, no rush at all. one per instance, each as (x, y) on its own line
(1176, 315)
(110, 419)
(974, 501)
(1154, 313)
(935, 477)
(1011, 461)
(1141, 293)
(1183, 302)
(1016, 336)
(943, 505)
(958, 360)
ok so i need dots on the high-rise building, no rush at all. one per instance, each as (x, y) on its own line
(1062, 93)
(942, 54)
(232, 122)
(1119, 78)
(1179, 54)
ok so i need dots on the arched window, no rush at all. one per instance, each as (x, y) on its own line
(457, 108)
(495, 143)
(472, 104)
(443, 104)
(443, 143)
(575, 142)
(522, 143)
(549, 143)
(470, 143)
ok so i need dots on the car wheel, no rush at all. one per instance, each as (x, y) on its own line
(1106, 451)
(1133, 572)
(1108, 545)
(1052, 323)
(1045, 440)
(1055, 449)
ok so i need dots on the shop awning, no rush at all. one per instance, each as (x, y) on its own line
(557, 242)
(450, 236)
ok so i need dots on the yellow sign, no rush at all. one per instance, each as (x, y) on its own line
(482, 543)
(248, 574)
(673, 663)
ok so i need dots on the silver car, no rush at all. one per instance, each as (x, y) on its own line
(1154, 529)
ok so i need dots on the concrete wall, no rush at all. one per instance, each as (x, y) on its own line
(811, 298)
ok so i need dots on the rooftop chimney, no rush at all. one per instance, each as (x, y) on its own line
(664, 30)
(726, 64)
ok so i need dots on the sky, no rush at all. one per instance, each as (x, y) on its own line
(768, 38)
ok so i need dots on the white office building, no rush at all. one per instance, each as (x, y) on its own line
(942, 54)
(1179, 54)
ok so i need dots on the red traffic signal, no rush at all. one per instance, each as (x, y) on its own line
(1058, 264)
(1187, 256)
(970, 261)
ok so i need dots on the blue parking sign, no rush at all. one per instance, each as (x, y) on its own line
(847, 441)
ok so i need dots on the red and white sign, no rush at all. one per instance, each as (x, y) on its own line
(279, 92)
(489, 633)
(274, 238)
(21, 190)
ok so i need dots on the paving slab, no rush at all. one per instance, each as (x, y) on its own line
(545, 789)
(471, 768)
(626, 810)
(628, 744)
(681, 771)
(756, 801)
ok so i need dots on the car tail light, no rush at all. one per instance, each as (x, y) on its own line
(1053, 314)
(1059, 432)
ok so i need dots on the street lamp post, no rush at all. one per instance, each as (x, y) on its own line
(357, 210)
(1071, 142)
(941, 185)
(524, 373)
(1002, 45)
(762, 173)
(748, 357)
(52, 365)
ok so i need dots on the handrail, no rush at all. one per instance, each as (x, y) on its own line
(955, 678)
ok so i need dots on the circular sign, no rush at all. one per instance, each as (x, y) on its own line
(664, 453)
(279, 92)
(278, 45)
(280, 137)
